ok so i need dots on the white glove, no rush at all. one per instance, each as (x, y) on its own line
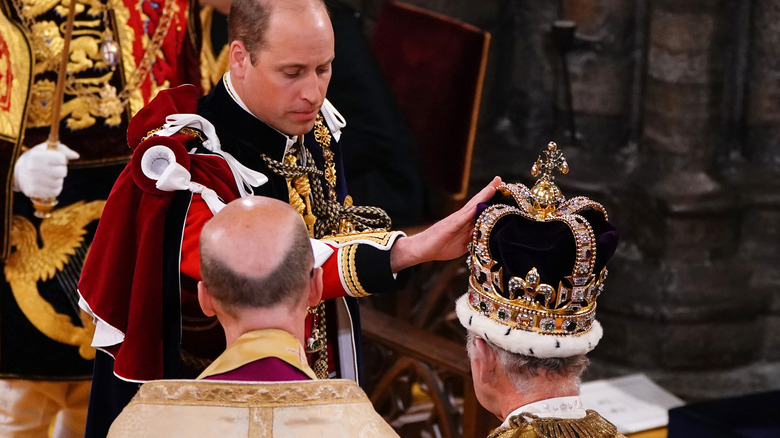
(40, 171)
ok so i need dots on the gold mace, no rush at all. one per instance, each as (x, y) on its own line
(44, 206)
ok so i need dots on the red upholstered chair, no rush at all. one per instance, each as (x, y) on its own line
(435, 66)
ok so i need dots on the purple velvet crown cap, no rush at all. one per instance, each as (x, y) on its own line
(519, 244)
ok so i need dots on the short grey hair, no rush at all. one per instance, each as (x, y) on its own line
(522, 369)
(284, 284)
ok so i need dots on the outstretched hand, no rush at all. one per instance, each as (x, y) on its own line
(444, 240)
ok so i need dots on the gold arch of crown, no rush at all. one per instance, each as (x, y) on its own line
(531, 305)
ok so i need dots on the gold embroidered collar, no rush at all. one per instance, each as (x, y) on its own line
(592, 425)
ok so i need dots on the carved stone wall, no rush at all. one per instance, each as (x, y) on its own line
(675, 108)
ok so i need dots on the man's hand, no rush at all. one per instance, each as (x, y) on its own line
(444, 240)
(39, 172)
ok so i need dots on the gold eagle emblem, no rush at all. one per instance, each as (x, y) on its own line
(61, 236)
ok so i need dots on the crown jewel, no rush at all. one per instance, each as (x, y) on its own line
(567, 308)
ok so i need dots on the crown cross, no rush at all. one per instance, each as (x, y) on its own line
(554, 160)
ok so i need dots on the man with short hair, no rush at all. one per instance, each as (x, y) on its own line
(537, 263)
(265, 129)
(259, 276)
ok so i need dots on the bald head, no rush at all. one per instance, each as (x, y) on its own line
(256, 253)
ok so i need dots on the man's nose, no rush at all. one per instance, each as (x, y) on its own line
(310, 89)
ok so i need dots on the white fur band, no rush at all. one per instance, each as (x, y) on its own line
(526, 342)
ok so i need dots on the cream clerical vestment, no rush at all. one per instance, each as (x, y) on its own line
(223, 409)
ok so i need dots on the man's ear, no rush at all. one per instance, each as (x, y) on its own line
(206, 300)
(239, 59)
(486, 362)
(315, 288)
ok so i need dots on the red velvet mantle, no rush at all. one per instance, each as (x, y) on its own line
(123, 275)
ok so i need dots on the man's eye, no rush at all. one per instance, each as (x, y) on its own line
(292, 74)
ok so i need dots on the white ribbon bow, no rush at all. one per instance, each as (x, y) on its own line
(159, 163)
(245, 177)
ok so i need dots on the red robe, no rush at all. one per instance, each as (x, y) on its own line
(139, 277)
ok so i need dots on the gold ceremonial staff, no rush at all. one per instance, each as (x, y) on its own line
(44, 206)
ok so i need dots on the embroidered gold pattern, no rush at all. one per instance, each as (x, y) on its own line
(591, 426)
(211, 67)
(61, 233)
(39, 114)
(322, 135)
(87, 96)
(15, 72)
(204, 392)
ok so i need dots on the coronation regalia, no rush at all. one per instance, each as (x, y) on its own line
(121, 54)
(537, 265)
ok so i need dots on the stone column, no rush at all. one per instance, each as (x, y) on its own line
(758, 176)
(518, 102)
(601, 66)
(679, 307)
(763, 86)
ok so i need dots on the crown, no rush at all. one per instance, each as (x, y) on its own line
(523, 301)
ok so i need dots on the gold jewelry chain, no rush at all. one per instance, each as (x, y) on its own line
(142, 69)
(319, 336)
(330, 212)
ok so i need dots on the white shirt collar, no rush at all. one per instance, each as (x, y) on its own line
(558, 407)
(229, 85)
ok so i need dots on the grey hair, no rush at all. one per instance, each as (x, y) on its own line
(522, 369)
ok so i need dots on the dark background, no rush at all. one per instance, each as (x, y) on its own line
(675, 108)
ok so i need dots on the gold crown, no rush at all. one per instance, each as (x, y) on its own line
(567, 309)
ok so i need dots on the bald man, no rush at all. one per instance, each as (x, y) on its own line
(258, 279)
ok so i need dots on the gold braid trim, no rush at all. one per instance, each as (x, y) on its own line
(381, 239)
(347, 263)
(192, 132)
(527, 425)
(295, 200)
(299, 192)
